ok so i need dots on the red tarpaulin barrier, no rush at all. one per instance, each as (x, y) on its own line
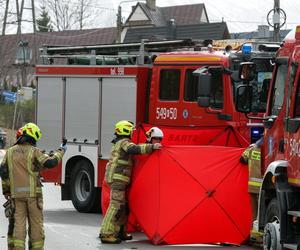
(218, 136)
(196, 194)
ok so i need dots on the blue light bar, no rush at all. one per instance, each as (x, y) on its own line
(247, 48)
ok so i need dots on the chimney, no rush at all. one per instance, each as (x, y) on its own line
(151, 4)
(171, 29)
(263, 31)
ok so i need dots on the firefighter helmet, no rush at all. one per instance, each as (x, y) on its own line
(154, 132)
(19, 133)
(124, 128)
(33, 131)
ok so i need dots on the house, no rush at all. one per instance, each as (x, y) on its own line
(148, 21)
(263, 33)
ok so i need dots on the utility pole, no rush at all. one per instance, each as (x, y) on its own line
(5, 17)
(276, 20)
(119, 24)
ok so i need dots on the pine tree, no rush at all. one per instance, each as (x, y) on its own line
(44, 22)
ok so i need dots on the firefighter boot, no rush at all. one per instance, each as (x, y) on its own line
(123, 235)
(110, 239)
(256, 238)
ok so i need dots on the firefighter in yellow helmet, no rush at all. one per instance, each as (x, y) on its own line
(20, 183)
(9, 206)
(252, 157)
(117, 176)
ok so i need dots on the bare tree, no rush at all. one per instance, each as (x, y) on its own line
(69, 15)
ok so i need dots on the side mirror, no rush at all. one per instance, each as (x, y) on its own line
(247, 71)
(204, 90)
(244, 98)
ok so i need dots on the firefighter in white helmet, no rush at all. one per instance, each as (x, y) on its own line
(154, 135)
(118, 176)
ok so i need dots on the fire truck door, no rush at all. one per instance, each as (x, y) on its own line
(118, 102)
(293, 132)
(275, 133)
(49, 111)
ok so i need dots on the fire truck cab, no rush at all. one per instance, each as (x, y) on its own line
(82, 98)
(279, 202)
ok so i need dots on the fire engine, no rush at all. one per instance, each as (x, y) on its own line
(279, 203)
(82, 91)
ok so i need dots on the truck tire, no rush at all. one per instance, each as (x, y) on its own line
(271, 238)
(85, 197)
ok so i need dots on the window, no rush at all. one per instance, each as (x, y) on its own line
(169, 87)
(297, 100)
(291, 86)
(217, 91)
(278, 89)
(190, 86)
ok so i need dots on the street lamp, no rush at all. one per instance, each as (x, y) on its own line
(23, 57)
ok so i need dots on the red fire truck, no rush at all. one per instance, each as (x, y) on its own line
(279, 204)
(83, 91)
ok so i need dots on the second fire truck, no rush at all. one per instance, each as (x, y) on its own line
(279, 202)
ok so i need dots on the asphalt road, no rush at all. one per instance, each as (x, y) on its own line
(66, 229)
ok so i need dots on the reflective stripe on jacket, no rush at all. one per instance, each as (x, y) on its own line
(24, 162)
(255, 178)
(119, 167)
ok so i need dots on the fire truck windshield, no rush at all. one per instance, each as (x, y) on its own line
(260, 84)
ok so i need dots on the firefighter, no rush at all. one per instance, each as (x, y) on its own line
(252, 157)
(117, 176)
(11, 208)
(154, 135)
(20, 184)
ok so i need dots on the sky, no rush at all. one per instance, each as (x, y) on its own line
(240, 15)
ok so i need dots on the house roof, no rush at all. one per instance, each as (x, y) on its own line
(9, 43)
(202, 31)
(183, 14)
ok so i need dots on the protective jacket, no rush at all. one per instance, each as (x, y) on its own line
(20, 170)
(252, 156)
(119, 167)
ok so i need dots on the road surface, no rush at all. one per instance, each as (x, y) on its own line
(66, 229)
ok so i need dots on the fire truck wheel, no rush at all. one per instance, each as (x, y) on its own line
(85, 197)
(271, 238)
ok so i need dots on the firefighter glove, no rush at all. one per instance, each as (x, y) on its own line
(156, 146)
(63, 147)
(9, 208)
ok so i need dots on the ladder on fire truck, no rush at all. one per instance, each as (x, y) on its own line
(123, 53)
(139, 53)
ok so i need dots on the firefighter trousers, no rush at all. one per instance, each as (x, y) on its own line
(254, 205)
(31, 210)
(10, 232)
(117, 212)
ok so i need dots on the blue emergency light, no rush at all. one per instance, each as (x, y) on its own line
(246, 48)
(256, 133)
